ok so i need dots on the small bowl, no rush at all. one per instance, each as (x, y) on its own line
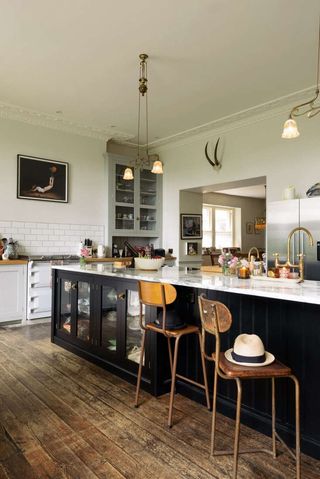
(152, 264)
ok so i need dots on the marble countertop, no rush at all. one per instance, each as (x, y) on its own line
(306, 292)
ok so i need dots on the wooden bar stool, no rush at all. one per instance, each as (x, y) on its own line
(161, 295)
(216, 318)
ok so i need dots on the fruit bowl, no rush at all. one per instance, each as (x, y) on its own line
(151, 264)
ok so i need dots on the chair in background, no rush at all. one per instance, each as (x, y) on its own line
(160, 295)
(216, 318)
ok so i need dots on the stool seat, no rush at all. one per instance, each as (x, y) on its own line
(173, 332)
(275, 369)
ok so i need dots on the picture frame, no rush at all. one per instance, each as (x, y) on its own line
(42, 179)
(191, 226)
(192, 248)
(249, 228)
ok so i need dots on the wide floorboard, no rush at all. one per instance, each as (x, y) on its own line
(64, 418)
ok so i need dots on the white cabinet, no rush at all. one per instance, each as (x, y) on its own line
(135, 205)
(13, 292)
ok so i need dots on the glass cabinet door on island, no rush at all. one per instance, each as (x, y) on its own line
(64, 323)
(109, 321)
(133, 329)
(75, 310)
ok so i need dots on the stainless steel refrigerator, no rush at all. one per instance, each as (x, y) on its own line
(282, 217)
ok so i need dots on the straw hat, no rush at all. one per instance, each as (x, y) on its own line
(248, 350)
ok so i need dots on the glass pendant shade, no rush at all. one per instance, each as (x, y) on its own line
(290, 129)
(157, 168)
(128, 174)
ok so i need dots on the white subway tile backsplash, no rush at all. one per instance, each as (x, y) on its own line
(50, 238)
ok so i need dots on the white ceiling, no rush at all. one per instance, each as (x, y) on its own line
(208, 58)
(254, 191)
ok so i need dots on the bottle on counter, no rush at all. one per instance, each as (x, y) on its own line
(115, 251)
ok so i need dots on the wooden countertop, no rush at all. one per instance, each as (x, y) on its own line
(12, 261)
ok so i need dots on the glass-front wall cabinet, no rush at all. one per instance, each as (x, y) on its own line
(134, 209)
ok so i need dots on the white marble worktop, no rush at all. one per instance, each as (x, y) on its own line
(306, 292)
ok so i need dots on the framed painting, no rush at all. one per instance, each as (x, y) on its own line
(191, 226)
(192, 248)
(250, 228)
(42, 179)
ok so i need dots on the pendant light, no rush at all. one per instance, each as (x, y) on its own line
(143, 160)
(290, 127)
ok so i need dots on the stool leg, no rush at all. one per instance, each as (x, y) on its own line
(140, 368)
(274, 446)
(173, 379)
(297, 394)
(170, 354)
(204, 371)
(214, 410)
(237, 430)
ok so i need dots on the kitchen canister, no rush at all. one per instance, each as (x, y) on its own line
(289, 193)
(100, 251)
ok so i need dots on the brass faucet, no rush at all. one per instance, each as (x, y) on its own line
(250, 251)
(288, 264)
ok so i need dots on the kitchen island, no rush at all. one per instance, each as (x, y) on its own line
(95, 315)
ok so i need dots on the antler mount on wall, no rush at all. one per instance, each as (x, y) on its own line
(215, 163)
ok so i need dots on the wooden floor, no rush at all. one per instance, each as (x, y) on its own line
(62, 417)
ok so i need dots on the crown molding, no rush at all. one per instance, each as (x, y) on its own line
(267, 110)
(56, 122)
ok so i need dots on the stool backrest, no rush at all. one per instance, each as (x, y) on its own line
(216, 318)
(156, 294)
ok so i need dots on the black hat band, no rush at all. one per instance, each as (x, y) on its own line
(248, 359)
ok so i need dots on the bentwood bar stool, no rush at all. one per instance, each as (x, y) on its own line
(216, 318)
(161, 295)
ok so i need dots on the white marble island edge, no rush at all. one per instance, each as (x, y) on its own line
(306, 292)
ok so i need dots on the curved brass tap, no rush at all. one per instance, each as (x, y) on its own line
(250, 251)
(300, 265)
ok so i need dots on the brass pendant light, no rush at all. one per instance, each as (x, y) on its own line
(290, 127)
(143, 160)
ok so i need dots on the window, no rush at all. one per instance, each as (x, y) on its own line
(218, 226)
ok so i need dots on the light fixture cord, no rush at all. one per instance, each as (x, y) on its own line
(318, 56)
(147, 119)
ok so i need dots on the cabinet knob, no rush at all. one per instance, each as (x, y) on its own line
(138, 218)
(122, 296)
(74, 286)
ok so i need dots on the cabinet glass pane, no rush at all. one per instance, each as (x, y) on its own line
(83, 311)
(148, 188)
(134, 333)
(65, 306)
(124, 188)
(124, 218)
(148, 219)
(108, 336)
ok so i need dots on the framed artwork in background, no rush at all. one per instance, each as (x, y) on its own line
(191, 226)
(250, 228)
(192, 249)
(42, 179)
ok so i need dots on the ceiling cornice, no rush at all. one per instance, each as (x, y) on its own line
(57, 122)
(281, 105)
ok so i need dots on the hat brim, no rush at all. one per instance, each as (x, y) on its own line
(269, 359)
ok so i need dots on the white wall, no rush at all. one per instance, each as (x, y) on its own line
(251, 150)
(87, 190)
